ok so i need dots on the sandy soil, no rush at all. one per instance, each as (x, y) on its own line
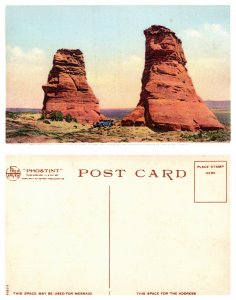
(28, 128)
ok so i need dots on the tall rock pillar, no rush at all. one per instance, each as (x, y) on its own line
(168, 100)
(67, 89)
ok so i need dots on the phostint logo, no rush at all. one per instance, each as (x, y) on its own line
(13, 173)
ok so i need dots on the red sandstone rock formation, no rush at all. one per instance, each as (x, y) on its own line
(168, 100)
(67, 89)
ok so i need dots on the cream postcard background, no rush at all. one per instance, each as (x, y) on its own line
(200, 148)
(57, 231)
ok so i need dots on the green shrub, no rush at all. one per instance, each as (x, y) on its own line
(59, 116)
(206, 136)
(220, 136)
(52, 116)
(56, 116)
(68, 118)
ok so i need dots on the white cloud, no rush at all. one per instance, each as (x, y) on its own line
(26, 72)
(206, 41)
(216, 29)
(193, 33)
(16, 55)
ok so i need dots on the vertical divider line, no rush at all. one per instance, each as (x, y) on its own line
(109, 204)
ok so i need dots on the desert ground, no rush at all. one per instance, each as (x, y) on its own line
(30, 128)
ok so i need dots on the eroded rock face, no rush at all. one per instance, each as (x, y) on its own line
(67, 89)
(168, 100)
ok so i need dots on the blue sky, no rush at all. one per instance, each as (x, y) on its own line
(112, 40)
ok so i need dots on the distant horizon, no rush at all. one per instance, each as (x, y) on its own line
(101, 108)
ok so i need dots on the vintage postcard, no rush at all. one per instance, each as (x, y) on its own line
(118, 74)
(117, 225)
